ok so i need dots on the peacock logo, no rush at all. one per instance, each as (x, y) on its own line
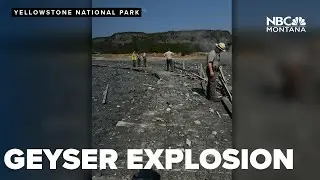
(298, 21)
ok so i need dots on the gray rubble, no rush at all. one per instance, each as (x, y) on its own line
(144, 112)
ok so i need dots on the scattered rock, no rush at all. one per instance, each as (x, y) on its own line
(168, 109)
(197, 122)
(188, 142)
(195, 93)
(211, 110)
(159, 119)
(140, 130)
(118, 106)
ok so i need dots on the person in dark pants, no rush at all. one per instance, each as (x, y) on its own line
(213, 71)
(144, 59)
(134, 59)
(138, 59)
(168, 55)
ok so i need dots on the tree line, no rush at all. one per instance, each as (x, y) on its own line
(183, 48)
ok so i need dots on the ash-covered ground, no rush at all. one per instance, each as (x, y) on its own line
(144, 112)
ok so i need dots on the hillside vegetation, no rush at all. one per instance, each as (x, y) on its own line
(184, 42)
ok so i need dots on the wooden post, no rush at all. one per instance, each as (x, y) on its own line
(105, 93)
(183, 67)
(203, 72)
(199, 70)
(224, 82)
(222, 75)
(202, 82)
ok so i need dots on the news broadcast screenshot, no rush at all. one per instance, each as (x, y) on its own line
(160, 90)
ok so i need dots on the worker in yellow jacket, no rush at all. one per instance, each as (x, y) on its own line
(134, 58)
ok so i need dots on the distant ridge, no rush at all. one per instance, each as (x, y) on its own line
(178, 41)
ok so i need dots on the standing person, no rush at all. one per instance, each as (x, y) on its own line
(168, 55)
(144, 59)
(213, 61)
(134, 58)
(139, 59)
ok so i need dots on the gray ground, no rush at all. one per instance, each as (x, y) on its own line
(145, 112)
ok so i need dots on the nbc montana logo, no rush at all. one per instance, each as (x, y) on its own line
(286, 24)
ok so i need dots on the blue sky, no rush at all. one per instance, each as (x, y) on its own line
(165, 15)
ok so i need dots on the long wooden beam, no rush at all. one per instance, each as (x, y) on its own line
(224, 82)
(105, 94)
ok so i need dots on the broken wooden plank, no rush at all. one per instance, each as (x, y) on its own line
(223, 81)
(203, 72)
(218, 114)
(192, 73)
(147, 84)
(203, 86)
(199, 71)
(177, 65)
(226, 88)
(154, 125)
(222, 74)
(100, 65)
(228, 105)
(105, 93)
(176, 62)
(204, 80)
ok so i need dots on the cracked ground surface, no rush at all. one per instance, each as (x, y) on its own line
(144, 112)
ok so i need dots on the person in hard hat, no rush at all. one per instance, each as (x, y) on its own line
(134, 58)
(144, 56)
(169, 55)
(213, 60)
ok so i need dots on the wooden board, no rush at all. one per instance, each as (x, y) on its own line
(105, 93)
(228, 105)
(223, 81)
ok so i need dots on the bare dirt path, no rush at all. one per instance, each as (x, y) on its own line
(147, 113)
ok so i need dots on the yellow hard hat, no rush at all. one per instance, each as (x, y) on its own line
(221, 46)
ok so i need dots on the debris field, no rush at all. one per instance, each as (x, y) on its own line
(156, 109)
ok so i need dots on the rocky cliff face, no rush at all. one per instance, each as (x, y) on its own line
(178, 41)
